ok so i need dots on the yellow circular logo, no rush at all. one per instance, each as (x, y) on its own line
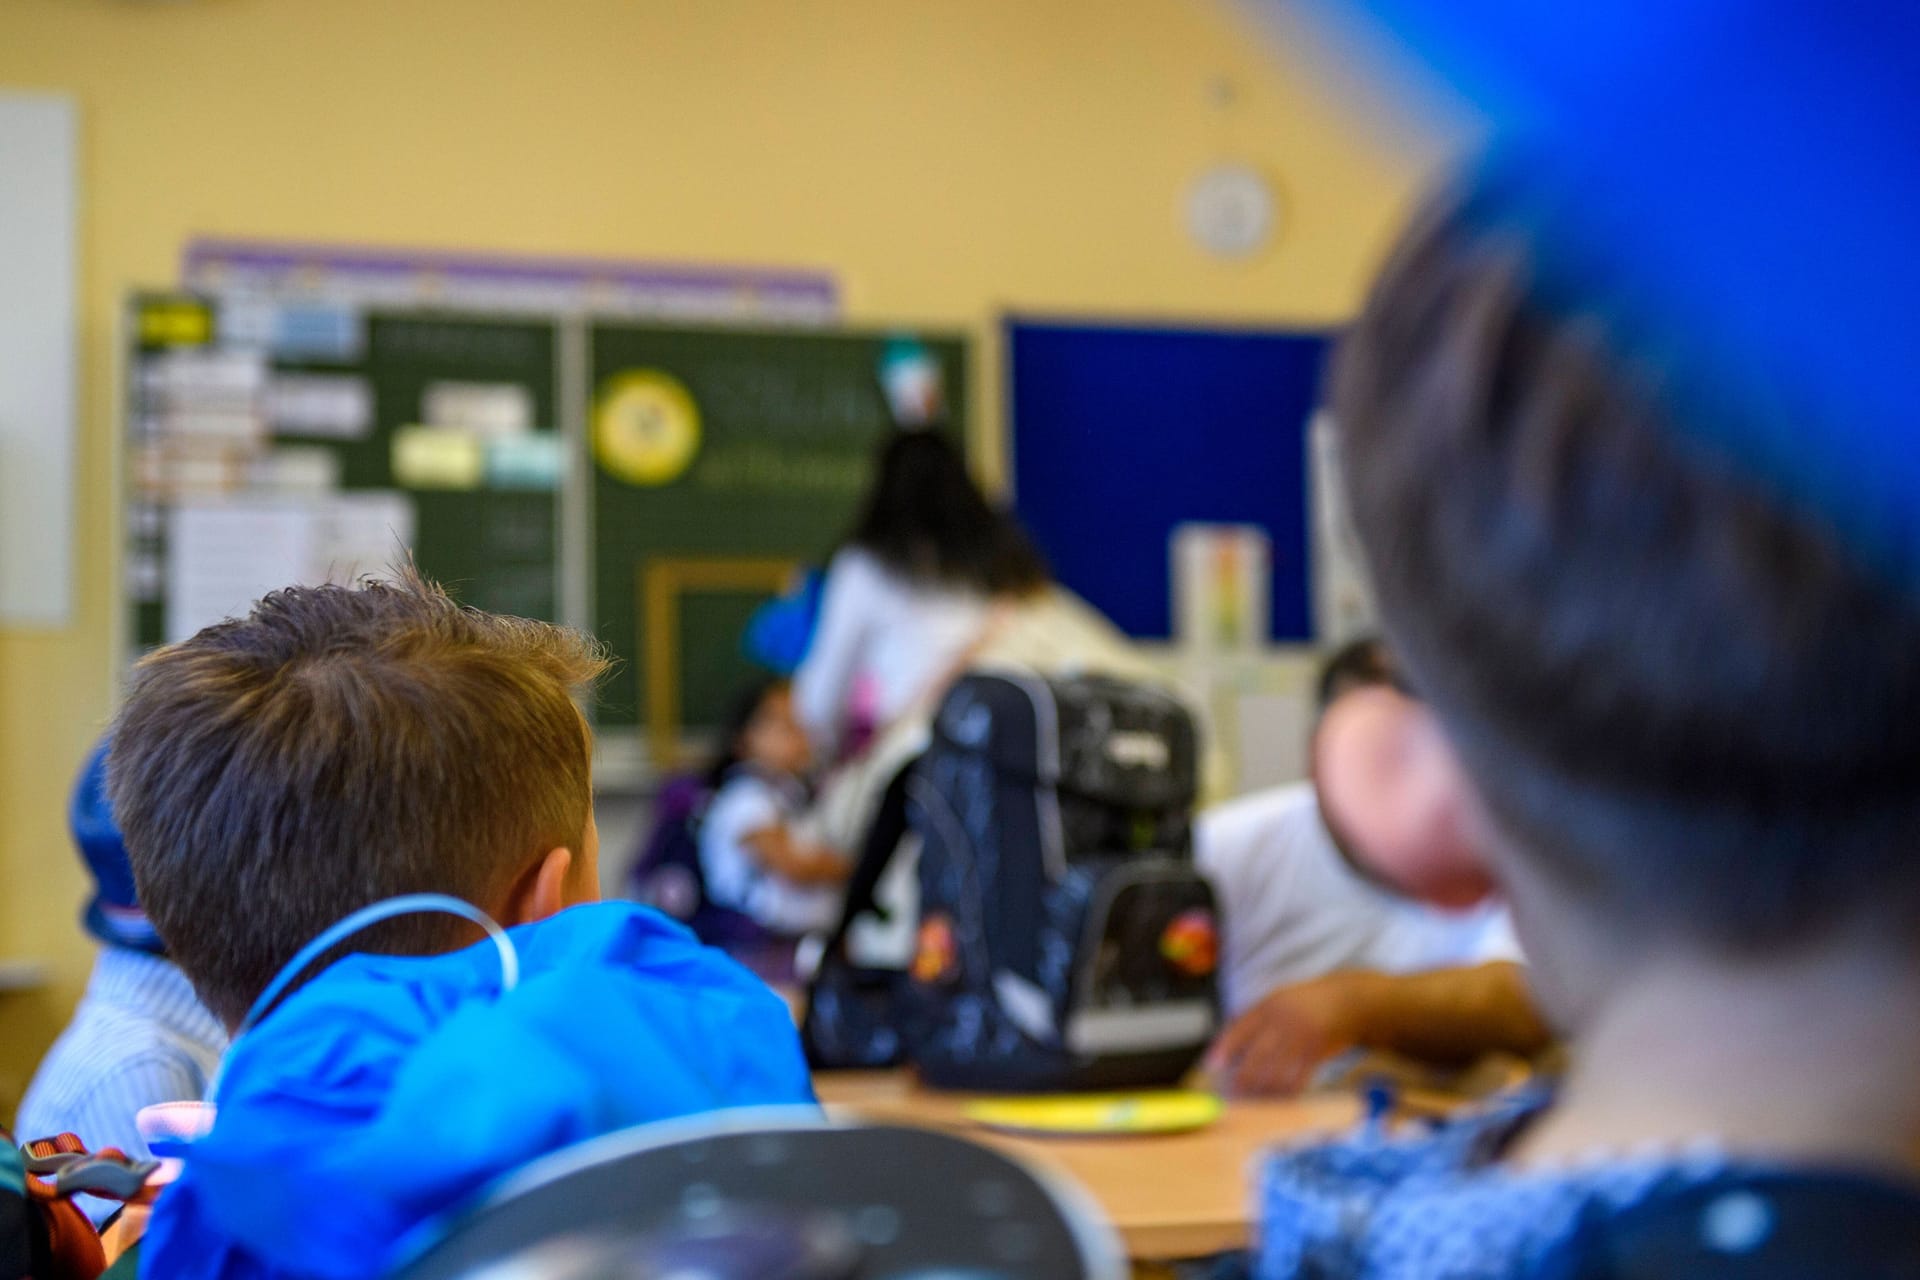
(646, 428)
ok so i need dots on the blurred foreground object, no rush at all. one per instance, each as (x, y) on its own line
(776, 1196)
(1733, 182)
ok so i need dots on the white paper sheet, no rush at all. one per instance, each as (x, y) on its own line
(1220, 586)
(238, 425)
(488, 409)
(360, 533)
(223, 557)
(198, 379)
(302, 470)
(336, 406)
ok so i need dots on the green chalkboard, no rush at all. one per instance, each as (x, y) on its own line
(714, 458)
(722, 445)
(494, 544)
(495, 548)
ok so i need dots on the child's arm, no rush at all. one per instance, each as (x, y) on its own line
(1447, 1016)
(779, 851)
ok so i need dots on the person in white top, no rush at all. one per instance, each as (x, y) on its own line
(1296, 909)
(909, 594)
(751, 856)
(1353, 915)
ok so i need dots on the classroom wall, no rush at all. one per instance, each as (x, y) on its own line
(947, 158)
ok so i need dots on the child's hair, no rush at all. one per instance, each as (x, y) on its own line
(338, 746)
(1358, 664)
(1678, 695)
(926, 520)
(734, 724)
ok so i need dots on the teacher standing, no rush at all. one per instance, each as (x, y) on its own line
(910, 594)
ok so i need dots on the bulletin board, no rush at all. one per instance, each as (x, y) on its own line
(1121, 433)
(322, 443)
(728, 448)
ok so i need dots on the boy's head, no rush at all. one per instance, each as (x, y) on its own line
(1389, 791)
(339, 746)
(1689, 718)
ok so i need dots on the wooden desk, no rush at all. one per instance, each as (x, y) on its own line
(1170, 1196)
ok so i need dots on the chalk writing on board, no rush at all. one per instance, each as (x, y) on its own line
(762, 469)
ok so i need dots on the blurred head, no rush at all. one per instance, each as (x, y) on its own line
(927, 521)
(1391, 794)
(1691, 721)
(339, 746)
(761, 730)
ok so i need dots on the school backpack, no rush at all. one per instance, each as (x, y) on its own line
(1066, 939)
(667, 875)
(43, 1233)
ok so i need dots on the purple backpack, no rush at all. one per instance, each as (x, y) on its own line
(668, 878)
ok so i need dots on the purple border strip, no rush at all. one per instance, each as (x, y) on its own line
(204, 252)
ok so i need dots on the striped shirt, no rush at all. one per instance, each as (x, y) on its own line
(138, 1036)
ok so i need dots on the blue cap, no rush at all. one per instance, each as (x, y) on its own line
(113, 915)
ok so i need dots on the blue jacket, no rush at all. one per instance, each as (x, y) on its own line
(390, 1089)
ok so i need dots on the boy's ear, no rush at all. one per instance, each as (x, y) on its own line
(1397, 801)
(542, 891)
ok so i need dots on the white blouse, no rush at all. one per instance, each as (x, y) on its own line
(878, 628)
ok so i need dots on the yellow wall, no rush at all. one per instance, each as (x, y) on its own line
(946, 158)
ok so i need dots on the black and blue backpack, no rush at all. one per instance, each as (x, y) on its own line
(1066, 939)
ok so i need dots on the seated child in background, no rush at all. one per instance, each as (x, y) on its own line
(139, 1035)
(1688, 730)
(338, 748)
(752, 854)
(1302, 904)
(1350, 922)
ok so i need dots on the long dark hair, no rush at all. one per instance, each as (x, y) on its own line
(926, 520)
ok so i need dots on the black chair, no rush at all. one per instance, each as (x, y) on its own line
(777, 1195)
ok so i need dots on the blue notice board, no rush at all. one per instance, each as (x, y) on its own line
(1121, 433)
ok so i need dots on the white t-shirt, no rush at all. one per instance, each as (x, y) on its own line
(1293, 909)
(746, 804)
(876, 626)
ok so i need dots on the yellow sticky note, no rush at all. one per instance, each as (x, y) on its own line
(177, 322)
(438, 458)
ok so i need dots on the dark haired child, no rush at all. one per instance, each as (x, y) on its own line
(752, 854)
(1685, 722)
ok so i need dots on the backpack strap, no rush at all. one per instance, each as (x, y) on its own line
(884, 835)
(60, 1167)
(43, 1234)
(853, 1015)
